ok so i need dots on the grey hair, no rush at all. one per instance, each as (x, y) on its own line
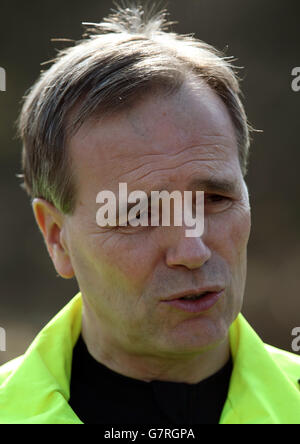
(129, 54)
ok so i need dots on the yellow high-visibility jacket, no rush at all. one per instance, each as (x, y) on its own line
(35, 387)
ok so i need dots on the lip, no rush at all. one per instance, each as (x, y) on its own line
(199, 306)
(194, 292)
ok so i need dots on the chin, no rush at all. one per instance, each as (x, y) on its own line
(196, 335)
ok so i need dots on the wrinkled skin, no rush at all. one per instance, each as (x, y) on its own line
(125, 272)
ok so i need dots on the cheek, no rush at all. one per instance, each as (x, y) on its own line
(126, 259)
(239, 240)
(229, 234)
(241, 232)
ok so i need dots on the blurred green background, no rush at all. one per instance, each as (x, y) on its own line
(264, 37)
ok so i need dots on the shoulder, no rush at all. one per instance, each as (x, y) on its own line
(8, 368)
(288, 363)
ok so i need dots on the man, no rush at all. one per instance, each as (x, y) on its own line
(155, 335)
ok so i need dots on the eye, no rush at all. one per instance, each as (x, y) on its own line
(216, 198)
(217, 202)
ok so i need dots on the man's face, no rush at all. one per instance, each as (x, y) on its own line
(126, 273)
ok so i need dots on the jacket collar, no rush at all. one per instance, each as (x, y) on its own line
(259, 392)
(43, 375)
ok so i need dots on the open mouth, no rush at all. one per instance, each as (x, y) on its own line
(194, 297)
(196, 303)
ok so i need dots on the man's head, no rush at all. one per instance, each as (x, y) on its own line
(124, 60)
(136, 104)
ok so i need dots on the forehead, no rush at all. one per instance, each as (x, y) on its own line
(160, 136)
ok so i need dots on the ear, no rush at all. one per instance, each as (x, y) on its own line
(50, 221)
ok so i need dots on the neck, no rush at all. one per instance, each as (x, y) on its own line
(188, 368)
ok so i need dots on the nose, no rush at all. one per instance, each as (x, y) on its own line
(189, 252)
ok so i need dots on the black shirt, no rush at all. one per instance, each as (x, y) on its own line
(100, 395)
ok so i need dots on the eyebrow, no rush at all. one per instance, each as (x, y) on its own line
(212, 185)
(215, 185)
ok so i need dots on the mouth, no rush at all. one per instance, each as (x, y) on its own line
(194, 298)
(195, 302)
